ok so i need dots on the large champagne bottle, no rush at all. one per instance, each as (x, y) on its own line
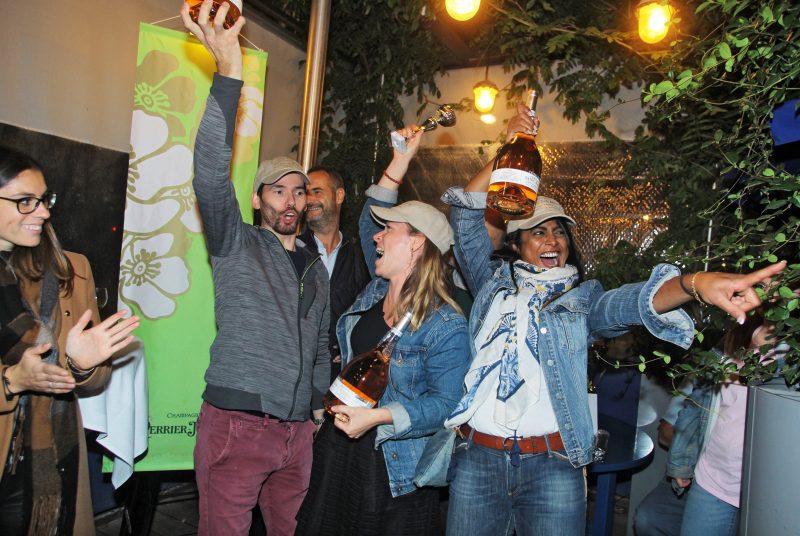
(363, 381)
(234, 12)
(516, 173)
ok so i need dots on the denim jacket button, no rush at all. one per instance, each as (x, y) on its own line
(550, 362)
(543, 331)
(394, 455)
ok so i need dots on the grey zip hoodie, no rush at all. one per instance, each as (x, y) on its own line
(271, 349)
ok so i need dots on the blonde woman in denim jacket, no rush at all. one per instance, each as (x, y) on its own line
(525, 419)
(365, 460)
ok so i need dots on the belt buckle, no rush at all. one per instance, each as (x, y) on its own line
(508, 443)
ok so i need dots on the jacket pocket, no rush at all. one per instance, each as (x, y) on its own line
(405, 372)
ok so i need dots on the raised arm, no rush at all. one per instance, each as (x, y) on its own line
(213, 148)
(495, 226)
(384, 193)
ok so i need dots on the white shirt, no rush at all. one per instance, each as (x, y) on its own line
(328, 260)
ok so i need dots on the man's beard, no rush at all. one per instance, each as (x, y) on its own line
(325, 220)
(273, 219)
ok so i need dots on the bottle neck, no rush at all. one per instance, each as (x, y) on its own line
(388, 341)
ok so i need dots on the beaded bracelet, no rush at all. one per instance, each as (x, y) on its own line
(77, 370)
(694, 289)
(397, 182)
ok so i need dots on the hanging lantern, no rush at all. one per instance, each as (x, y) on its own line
(485, 93)
(654, 18)
(462, 10)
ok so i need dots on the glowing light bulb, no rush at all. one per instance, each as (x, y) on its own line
(654, 20)
(462, 10)
(485, 93)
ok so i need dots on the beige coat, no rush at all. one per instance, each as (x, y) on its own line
(72, 307)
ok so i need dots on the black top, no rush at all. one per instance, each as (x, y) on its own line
(369, 329)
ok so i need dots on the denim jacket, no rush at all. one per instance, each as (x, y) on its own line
(426, 372)
(694, 424)
(568, 324)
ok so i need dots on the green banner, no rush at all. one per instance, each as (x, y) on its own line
(165, 275)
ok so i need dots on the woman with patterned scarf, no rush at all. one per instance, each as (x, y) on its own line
(47, 351)
(524, 423)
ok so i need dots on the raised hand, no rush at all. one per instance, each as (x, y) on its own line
(221, 43)
(88, 348)
(33, 374)
(522, 122)
(413, 136)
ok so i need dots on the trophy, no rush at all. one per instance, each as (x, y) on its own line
(444, 116)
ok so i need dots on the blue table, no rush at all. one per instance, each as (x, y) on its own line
(629, 448)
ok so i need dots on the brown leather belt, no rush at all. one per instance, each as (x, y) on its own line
(527, 445)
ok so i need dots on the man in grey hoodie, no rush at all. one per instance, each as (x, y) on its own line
(270, 362)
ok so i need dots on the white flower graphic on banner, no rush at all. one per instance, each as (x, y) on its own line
(159, 211)
(150, 276)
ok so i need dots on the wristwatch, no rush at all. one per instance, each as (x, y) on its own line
(318, 422)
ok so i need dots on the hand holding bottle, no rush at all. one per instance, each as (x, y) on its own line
(525, 121)
(221, 43)
(355, 422)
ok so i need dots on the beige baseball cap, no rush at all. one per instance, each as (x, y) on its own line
(546, 208)
(271, 171)
(422, 216)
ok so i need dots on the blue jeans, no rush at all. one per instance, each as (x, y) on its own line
(707, 515)
(544, 495)
(661, 512)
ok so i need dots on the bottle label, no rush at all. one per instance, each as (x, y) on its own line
(517, 176)
(350, 396)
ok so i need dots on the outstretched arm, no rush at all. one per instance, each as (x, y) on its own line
(733, 293)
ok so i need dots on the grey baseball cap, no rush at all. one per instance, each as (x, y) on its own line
(271, 171)
(547, 208)
(423, 217)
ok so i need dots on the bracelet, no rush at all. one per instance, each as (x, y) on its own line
(7, 385)
(694, 289)
(77, 370)
(397, 182)
(683, 287)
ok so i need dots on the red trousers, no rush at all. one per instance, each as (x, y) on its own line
(242, 460)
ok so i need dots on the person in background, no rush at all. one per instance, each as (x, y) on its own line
(365, 460)
(47, 302)
(341, 256)
(270, 363)
(708, 445)
(660, 513)
(525, 421)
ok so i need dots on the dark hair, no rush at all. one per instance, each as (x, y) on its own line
(32, 262)
(338, 181)
(740, 336)
(573, 255)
